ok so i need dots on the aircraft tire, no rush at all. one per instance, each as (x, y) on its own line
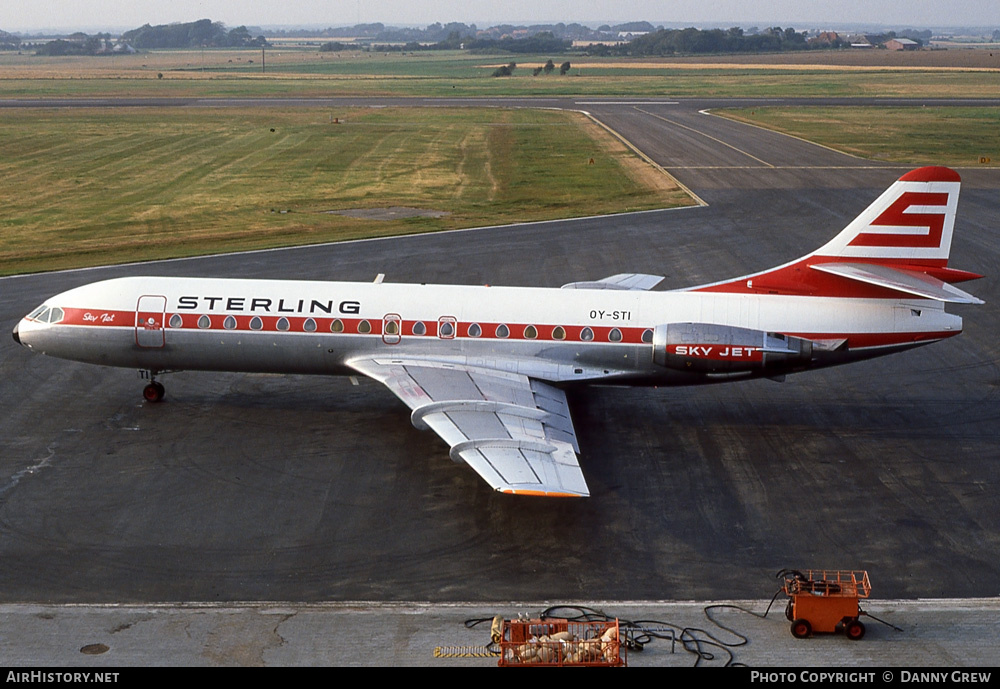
(153, 392)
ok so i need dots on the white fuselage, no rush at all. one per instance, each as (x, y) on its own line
(558, 335)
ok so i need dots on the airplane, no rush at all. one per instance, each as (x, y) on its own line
(486, 367)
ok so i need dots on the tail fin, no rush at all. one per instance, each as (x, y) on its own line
(911, 222)
(899, 244)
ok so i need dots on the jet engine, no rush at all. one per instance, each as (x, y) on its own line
(712, 348)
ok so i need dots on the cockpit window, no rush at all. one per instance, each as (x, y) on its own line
(47, 314)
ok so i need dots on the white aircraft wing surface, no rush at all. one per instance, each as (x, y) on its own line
(515, 432)
(622, 281)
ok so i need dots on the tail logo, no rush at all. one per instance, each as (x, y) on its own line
(903, 223)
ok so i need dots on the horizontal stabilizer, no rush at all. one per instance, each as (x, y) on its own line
(900, 280)
(625, 281)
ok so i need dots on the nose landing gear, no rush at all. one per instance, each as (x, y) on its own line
(154, 391)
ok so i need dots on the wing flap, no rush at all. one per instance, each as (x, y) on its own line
(623, 281)
(900, 280)
(515, 432)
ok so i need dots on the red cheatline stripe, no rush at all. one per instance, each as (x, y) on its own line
(351, 326)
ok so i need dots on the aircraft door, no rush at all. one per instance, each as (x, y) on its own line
(149, 319)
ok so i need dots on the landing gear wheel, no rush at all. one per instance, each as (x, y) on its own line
(801, 629)
(854, 630)
(153, 392)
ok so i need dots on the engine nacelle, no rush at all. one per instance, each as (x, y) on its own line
(711, 348)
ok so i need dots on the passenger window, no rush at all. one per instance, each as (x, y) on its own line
(419, 328)
(558, 333)
(337, 326)
(475, 330)
(364, 327)
(587, 335)
(530, 332)
(647, 336)
(615, 335)
(309, 326)
(256, 323)
(446, 327)
(204, 322)
(229, 323)
(503, 331)
(283, 323)
(176, 321)
(392, 327)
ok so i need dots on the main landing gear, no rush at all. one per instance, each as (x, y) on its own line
(154, 391)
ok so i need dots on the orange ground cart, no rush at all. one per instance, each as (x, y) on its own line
(823, 600)
(556, 643)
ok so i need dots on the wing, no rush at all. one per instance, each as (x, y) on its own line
(515, 432)
(622, 281)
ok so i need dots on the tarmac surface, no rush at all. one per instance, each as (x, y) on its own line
(906, 634)
(158, 521)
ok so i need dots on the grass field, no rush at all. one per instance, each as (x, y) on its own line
(304, 71)
(956, 136)
(87, 187)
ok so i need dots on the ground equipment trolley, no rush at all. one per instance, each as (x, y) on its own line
(823, 600)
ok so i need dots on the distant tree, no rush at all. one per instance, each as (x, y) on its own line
(202, 33)
(81, 44)
(563, 68)
(9, 41)
(549, 66)
(452, 42)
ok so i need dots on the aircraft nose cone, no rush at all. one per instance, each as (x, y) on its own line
(17, 337)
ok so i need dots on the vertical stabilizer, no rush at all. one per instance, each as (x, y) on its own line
(898, 245)
(911, 222)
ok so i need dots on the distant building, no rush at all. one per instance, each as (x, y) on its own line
(901, 44)
(824, 38)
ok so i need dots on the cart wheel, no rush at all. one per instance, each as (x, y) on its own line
(801, 629)
(854, 630)
(788, 611)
